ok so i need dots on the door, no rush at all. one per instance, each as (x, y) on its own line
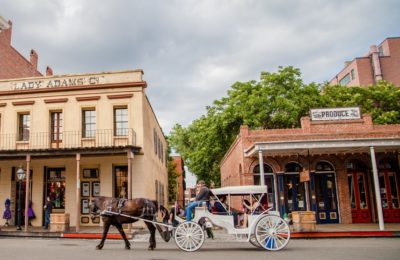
(388, 184)
(326, 198)
(55, 188)
(359, 200)
(56, 129)
(294, 193)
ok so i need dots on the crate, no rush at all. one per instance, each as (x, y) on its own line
(59, 218)
(59, 222)
(59, 227)
(304, 221)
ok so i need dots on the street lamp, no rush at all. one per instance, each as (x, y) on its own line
(21, 177)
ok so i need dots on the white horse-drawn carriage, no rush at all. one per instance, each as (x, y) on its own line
(265, 229)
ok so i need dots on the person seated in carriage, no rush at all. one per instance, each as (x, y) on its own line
(203, 196)
(221, 208)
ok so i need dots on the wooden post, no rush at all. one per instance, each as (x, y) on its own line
(130, 158)
(78, 190)
(27, 193)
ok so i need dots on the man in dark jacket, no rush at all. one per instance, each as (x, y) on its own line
(202, 196)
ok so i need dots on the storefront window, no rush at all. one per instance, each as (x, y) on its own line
(394, 190)
(121, 182)
(351, 190)
(361, 189)
(56, 187)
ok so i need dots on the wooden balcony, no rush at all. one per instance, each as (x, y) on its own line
(67, 140)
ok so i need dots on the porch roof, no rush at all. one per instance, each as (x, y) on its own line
(323, 146)
(68, 152)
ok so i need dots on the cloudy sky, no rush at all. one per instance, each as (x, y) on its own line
(193, 51)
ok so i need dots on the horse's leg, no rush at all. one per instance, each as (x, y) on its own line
(152, 239)
(105, 232)
(121, 231)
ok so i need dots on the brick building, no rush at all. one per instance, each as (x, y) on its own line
(12, 63)
(381, 63)
(337, 155)
(180, 170)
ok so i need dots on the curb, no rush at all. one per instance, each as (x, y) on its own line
(294, 235)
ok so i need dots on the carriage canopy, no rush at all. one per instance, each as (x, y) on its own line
(240, 190)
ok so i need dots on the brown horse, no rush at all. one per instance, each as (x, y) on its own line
(112, 211)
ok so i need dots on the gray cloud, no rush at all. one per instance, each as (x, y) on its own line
(193, 51)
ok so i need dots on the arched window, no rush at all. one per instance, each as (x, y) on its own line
(324, 167)
(293, 167)
(256, 173)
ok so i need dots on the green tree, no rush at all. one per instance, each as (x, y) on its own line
(278, 100)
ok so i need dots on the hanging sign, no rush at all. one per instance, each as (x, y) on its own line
(342, 113)
(304, 175)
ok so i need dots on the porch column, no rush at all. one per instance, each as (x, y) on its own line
(130, 158)
(78, 193)
(27, 193)
(377, 190)
(261, 164)
(276, 193)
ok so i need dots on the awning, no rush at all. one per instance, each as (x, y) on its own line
(327, 146)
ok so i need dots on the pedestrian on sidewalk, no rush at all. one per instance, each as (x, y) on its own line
(7, 212)
(31, 213)
(48, 207)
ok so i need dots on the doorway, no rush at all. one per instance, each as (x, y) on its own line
(359, 197)
(389, 189)
(20, 186)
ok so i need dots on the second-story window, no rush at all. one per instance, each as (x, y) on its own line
(56, 126)
(89, 123)
(24, 126)
(120, 121)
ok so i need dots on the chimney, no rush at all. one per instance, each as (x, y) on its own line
(5, 30)
(34, 59)
(49, 71)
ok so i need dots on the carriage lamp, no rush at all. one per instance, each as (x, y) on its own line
(21, 177)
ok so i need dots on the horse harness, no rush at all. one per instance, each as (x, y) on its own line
(147, 210)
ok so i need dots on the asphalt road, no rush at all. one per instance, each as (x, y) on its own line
(71, 249)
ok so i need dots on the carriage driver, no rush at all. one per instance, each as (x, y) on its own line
(202, 196)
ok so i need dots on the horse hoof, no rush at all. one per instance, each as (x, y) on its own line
(99, 247)
(128, 247)
(151, 248)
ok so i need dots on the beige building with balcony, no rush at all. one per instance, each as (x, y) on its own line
(79, 136)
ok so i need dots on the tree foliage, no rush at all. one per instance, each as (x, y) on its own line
(277, 100)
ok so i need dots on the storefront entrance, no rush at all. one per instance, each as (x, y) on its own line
(389, 188)
(325, 203)
(55, 188)
(359, 197)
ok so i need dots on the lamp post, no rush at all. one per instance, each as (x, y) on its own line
(21, 177)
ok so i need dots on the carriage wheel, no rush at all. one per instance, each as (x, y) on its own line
(254, 242)
(189, 236)
(272, 232)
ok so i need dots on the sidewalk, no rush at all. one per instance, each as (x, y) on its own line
(323, 231)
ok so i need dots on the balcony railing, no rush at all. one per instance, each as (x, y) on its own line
(68, 140)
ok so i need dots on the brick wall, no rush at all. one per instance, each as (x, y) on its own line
(12, 63)
(234, 159)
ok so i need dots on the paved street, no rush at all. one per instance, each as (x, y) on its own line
(43, 249)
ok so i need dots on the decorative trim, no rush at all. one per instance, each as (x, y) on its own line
(72, 88)
(87, 98)
(3, 104)
(119, 96)
(23, 103)
(56, 100)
